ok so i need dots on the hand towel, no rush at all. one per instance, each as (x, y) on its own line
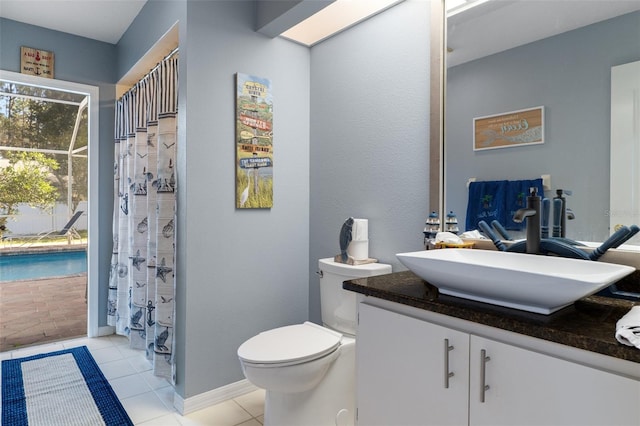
(628, 328)
(486, 202)
(516, 198)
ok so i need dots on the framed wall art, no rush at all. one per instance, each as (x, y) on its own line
(254, 142)
(509, 129)
(36, 62)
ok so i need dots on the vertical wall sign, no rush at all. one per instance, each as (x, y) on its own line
(254, 142)
(36, 62)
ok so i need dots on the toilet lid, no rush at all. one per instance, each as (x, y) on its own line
(293, 343)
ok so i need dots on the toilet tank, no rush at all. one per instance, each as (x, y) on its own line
(338, 306)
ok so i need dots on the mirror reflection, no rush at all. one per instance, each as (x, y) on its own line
(557, 56)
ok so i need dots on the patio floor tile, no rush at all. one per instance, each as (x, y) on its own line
(40, 311)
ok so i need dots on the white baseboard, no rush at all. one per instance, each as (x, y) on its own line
(106, 330)
(212, 397)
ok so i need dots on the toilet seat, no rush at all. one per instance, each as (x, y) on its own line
(289, 345)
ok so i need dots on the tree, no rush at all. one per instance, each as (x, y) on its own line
(26, 180)
(30, 118)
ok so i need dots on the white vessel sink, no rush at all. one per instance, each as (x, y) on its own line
(541, 284)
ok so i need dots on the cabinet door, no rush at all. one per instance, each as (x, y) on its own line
(529, 388)
(401, 367)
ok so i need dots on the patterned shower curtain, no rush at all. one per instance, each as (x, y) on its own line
(142, 277)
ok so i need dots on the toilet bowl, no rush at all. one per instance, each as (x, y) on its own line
(314, 389)
(289, 359)
(308, 370)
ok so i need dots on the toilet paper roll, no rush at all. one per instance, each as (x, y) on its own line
(358, 250)
(360, 230)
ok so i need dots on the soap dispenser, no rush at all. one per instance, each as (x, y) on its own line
(533, 222)
(560, 202)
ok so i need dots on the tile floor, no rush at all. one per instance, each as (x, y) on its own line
(149, 401)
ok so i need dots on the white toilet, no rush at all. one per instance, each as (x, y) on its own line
(308, 371)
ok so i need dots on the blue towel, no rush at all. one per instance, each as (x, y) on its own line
(486, 202)
(516, 198)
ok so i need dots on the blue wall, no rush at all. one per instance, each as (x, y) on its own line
(85, 61)
(370, 136)
(366, 92)
(570, 75)
(239, 271)
(242, 271)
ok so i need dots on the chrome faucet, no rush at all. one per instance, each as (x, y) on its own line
(532, 214)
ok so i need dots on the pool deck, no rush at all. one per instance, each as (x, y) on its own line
(43, 310)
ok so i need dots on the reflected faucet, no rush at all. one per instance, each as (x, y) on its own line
(570, 214)
(558, 246)
(532, 214)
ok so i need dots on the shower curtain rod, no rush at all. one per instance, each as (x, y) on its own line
(169, 56)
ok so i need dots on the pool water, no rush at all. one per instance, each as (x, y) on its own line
(28, 266)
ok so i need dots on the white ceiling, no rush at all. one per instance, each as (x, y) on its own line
(489, 28)
(107, 20)
(103, 20)
(498, 25)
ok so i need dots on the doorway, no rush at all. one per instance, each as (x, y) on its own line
(86, 99)
(624, 207)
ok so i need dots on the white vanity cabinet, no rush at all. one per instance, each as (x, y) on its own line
(401, 367)
(527, 387)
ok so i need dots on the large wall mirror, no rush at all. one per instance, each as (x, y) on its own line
(506, 56)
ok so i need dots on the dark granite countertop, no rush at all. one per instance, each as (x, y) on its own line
(588, 324)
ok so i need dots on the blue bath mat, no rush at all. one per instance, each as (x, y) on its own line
(58, 388)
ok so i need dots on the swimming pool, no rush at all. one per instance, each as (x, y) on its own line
(29, 266)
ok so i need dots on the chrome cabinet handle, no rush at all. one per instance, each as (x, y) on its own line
(447, 374)
(483, 366)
